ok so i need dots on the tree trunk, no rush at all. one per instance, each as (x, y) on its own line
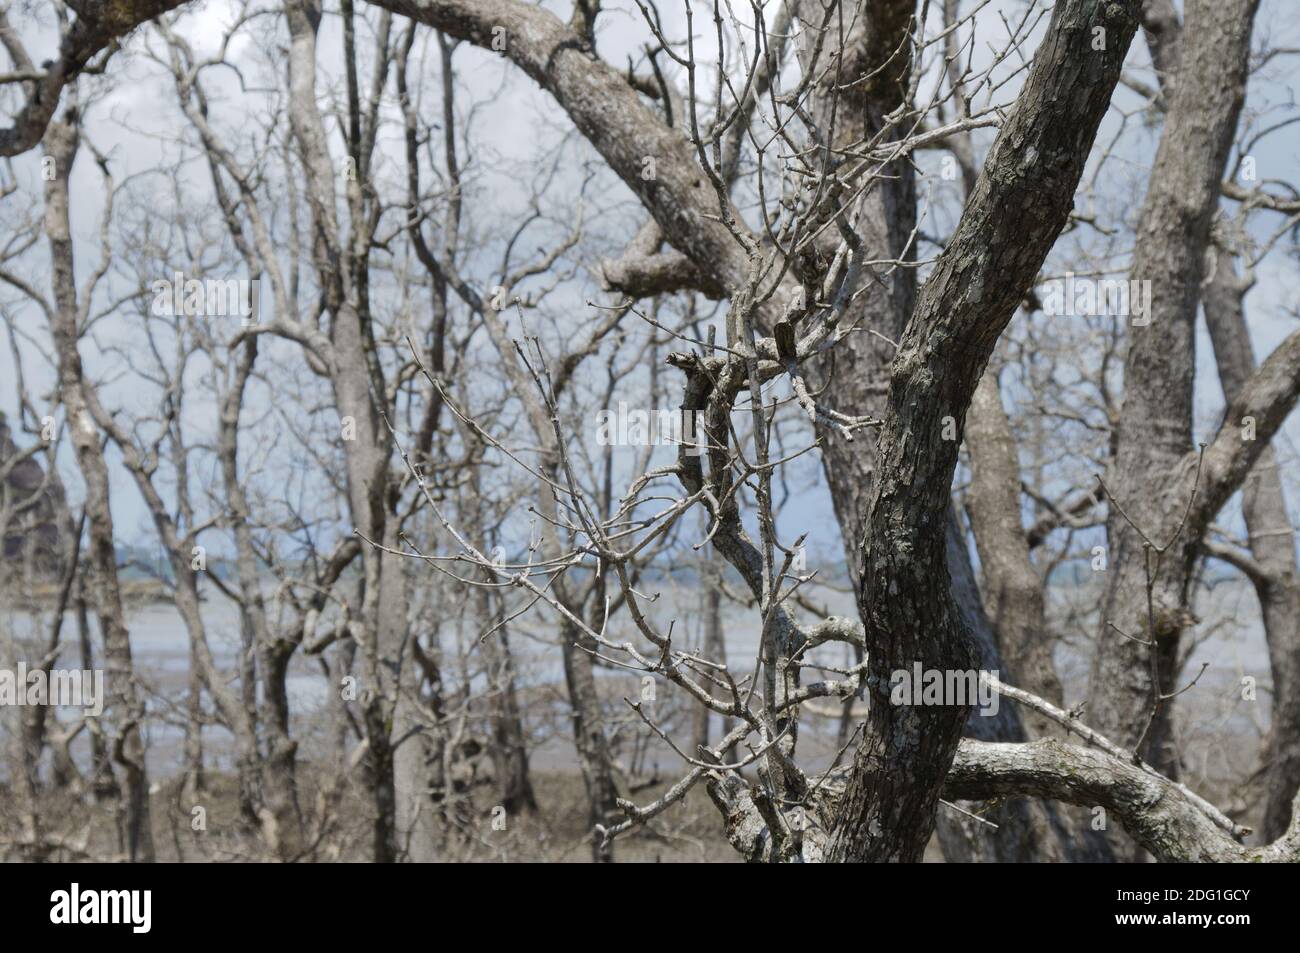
(1013, 589)
(1017, 208)
(1272, 543)
(509, 743)
(1155, 429)
(61, 142)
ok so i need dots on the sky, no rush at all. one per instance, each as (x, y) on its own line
(136, 123)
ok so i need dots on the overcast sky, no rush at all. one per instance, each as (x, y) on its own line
(137, 123)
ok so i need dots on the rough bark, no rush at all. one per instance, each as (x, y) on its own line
(1019, 205)
(856, 371)
(1026, 830)
(22, 786)
(606, 110)
(97, 28)
(1272, 544)
(1155, 813)
(1155, 428)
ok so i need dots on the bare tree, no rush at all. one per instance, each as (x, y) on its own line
(792, 285)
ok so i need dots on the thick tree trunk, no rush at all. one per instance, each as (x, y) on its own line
(1014, 603)
(1019, 204)
(1272, 543)
(1013, 590)
(856, 371)
(1155, 429)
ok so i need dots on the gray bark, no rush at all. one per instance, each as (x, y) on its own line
(126, 706)
(1155, 428)
(509, 743)
(1012, 586)
(282, 824)
(359, 391)
(1019, 204)
(1272, 544)
(95, 30)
